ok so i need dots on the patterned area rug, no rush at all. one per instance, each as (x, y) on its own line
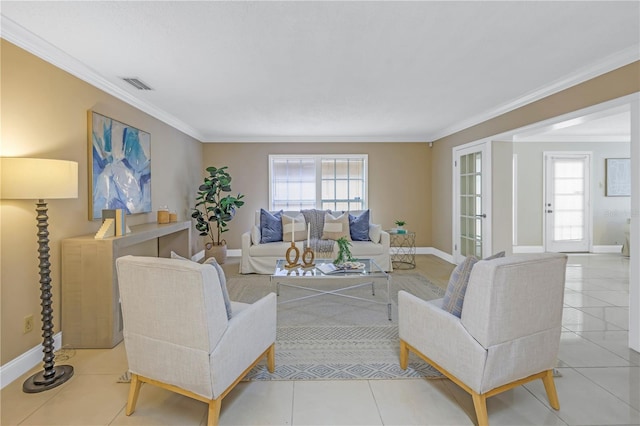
(329, 338)
(331, 353)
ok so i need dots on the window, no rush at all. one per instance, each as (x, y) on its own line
(334, 182)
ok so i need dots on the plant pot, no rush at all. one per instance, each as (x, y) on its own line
(219, 252)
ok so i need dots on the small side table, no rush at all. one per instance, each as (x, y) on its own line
(403, 249)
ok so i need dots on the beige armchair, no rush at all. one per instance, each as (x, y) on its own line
(177, 335)
(508, 333)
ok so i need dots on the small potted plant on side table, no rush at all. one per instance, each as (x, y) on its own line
(400, 229)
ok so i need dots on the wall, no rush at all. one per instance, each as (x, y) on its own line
(44, 114)
(502, 196)
(399, 180)
(615, 84)
(609, 213)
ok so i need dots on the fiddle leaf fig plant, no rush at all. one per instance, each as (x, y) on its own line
(213, 209)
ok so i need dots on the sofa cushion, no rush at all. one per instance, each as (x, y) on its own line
(256, 236)
(359, 226)
(375, 232)
(270, 226)
(457, 287)
(365, 249)
(336, 227)
(299, 227)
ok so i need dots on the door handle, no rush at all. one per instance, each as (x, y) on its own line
(481, 215)
(549, 211)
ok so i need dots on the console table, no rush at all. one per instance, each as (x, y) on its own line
(91, 315)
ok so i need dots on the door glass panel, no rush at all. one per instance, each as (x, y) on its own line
(471, 204)
(568, 199)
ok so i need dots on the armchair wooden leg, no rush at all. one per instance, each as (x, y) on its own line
(550, 387)
(134, 391)
(271, 358)
(214, 412)
(480, 404)
(404, 354)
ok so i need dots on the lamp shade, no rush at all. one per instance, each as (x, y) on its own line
(38, 178)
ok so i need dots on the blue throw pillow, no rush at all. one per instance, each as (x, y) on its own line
(359, 226)
(270, 226)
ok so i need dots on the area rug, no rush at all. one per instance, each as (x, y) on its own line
(332, 338)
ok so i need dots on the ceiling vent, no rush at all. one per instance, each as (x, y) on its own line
(137, 83)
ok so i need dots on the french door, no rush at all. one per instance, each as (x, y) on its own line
(567, 213)
(472, 201)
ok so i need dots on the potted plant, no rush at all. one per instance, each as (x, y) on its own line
(344, 252)
(400, 223)
(213, 210)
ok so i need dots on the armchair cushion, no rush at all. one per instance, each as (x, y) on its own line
(457, 287)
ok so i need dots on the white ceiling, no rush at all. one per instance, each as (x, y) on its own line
(328, 71)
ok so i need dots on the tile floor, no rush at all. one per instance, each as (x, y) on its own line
(600, 383)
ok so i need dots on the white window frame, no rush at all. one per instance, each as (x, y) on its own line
(318, 175)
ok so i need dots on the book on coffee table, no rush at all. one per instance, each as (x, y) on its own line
(330, 268)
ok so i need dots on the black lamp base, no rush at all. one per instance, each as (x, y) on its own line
(37, 382)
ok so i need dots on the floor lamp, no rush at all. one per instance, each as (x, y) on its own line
(40, 179)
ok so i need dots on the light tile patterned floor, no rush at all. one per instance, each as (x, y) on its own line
(600, 383)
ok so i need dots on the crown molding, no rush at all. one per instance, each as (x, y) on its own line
(610, 63)
(39, 47)
(313, 139)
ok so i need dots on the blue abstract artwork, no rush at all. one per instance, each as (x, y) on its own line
(120, 167)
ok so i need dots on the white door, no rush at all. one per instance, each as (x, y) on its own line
(567, 212)
(472, 201)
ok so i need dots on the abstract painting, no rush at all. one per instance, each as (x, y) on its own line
(618, 177)
(120, 167)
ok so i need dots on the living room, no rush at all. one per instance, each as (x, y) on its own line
(44, 108)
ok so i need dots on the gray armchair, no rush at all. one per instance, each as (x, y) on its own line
(508, 333)
(177, 335)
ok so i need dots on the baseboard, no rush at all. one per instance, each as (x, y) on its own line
(25, 362)
(434, 251)
(234, 252)
(607, 249)
(527, 249)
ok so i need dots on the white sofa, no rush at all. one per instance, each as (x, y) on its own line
(261, 258)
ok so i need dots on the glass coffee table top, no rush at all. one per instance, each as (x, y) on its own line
(324, 268)
(364, 272)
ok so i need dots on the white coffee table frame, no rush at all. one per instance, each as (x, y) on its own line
(372, 271)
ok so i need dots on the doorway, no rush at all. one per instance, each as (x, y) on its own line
(472, 201)
(567, 205)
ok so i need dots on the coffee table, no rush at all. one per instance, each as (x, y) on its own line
(311, 279)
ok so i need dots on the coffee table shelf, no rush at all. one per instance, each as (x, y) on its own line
(311, 279)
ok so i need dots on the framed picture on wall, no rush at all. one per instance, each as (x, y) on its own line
(618, 177)
(119, 166)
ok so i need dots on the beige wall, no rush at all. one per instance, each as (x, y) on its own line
(44, 114)
(615, 84)
(399, 180)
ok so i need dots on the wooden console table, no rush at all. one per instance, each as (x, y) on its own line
(91, 314)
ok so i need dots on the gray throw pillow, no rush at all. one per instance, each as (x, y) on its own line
(359, 226)
(270, 226)
(457, 287)
(221, 278)
(223, 283)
